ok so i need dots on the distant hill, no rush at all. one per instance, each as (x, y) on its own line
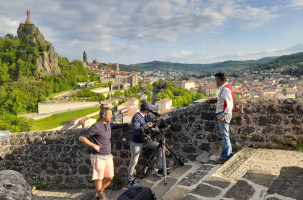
(200, 68)
(292, 59)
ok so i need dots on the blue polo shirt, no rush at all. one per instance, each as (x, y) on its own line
(139, 121)
(101, 135)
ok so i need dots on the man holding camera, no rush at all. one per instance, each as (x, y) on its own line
(224, 113)
(142, 120)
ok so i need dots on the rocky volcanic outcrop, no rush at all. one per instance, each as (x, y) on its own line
(13, 186)
(47, 61)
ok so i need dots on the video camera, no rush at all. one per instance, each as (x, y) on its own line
(149, 133)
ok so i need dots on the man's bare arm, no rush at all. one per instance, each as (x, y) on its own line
(211, 99)
(89, 143)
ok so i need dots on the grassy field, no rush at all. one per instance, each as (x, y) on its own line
(61, 119)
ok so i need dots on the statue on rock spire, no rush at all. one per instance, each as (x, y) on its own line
(28, 21)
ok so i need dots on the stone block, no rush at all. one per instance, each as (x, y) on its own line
(263, 121)
(236, 191)
(190, 197)
(188, 148)
(176, 193)
(177, 173)
(161, 189)
(209, 126)
(205, 147)
(208, 115)
(206, 191)
(192, 178)
(259, 177)
(288, 183)
(176, 127)
(84, 169)
(218, 181)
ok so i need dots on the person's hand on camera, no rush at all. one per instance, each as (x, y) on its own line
(150, 124)
(129, 123)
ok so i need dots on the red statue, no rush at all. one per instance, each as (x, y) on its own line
(28, 21)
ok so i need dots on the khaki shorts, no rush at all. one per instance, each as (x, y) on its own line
(102, 167)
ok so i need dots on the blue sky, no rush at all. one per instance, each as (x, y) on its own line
(185, 31)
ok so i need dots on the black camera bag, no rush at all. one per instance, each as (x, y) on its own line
(137, 192)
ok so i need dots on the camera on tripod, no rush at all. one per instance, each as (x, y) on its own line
(151, 133)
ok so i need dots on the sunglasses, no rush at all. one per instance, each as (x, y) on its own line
(106, 127)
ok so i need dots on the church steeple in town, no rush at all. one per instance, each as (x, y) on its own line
(85, 57)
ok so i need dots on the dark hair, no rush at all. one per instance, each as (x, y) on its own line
(102, 106)
(222, 76)
(103, 111)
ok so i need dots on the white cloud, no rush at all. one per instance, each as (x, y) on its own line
(296, 3)
(182, 54)
(8, 25)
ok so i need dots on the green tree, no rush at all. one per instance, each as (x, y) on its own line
(110, 83)
(150, 87)
(4, 73)
(156, 84)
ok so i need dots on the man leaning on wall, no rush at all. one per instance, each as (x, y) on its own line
(101, 159)
(223, 113)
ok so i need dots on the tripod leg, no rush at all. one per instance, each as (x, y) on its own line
(164, 163)
(154, 153)
(176, 156)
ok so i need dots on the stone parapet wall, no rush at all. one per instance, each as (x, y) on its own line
(58, 159)
(101, 89)
(52, 107)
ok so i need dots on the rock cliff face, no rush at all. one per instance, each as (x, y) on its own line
(47, 60)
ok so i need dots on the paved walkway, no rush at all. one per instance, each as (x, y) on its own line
(251, 174)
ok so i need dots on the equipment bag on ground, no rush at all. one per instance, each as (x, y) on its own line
(137, 192)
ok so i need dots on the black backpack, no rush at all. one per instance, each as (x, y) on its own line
(137, 192)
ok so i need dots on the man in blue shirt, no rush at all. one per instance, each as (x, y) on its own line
(142, 120)
(101, 159)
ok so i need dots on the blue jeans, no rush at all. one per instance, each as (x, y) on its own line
(136, 148)
(224, 130)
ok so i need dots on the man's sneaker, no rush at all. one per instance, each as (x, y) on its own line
(98, 198)
(220, 161)
(160, 172)
(130, 183)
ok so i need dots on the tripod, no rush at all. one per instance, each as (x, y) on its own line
(162, 145)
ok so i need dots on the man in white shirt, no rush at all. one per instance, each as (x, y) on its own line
(224, 114)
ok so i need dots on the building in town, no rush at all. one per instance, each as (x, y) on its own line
(209, 89)
(164, 104)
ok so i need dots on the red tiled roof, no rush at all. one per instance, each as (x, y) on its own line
(75, 119)
(84, 119)
(164, 101)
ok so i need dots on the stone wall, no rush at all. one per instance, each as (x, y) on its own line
(58, 159)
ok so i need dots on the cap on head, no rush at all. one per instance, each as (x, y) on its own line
(221, 75)
(147, 106)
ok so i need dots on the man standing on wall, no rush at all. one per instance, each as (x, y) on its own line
(101, 159)
(224, 113)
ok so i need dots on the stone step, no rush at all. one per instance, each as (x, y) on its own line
(288, 185)
(230, 169)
